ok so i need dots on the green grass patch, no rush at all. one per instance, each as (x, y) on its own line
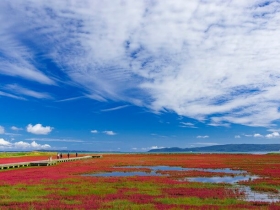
(99, 188)
(145, 188)
(126, 205)
(22, 193)
(198, 201)
(70, 202)
(20, 154)
(265, 188)
(203, 185)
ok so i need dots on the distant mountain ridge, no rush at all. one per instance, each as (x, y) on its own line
(225, 148)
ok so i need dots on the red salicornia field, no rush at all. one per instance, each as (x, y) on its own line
(82, 184)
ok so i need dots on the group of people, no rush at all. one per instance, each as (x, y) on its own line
(59, 155)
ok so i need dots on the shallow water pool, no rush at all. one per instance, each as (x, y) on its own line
(224, 179)
(156, 171)
(240, 175)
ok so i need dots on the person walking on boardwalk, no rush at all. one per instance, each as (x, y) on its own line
(68, 155)
(58, 155)
(76, 154)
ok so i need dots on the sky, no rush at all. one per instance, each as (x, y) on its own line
(132, 76)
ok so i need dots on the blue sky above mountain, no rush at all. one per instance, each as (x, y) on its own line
(130, 76)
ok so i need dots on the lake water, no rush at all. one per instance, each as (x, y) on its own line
(155, 171)
(124, 174)
(178, 168)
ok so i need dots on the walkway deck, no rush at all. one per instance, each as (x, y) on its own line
(44, 162)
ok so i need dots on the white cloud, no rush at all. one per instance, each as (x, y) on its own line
(22, 145)
(274, 130)
(273, 135)
(2, 130)
(39, 129)
(258, 135)
(56, 140)
(158, 135)
(94, 131)
(110, 133)
(187, 125)
(3, 142)
(237, 137)
(14, 128)
(32, 145)
(155, 147)
(12, 134)
(146, 148)
(202, 137)
(203, 144)
(17, 59)
(218, 124)
(196, 58)
(35, 145)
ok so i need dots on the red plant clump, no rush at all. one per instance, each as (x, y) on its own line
(217, 193)
(53, 204)
(22, 159)
(66, 188)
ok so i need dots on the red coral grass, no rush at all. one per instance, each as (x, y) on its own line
(22, 159)
(65, 188)
(217, 193)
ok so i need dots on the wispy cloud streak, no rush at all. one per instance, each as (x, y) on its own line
(11, 95)
(214, 61)
(71, 99)
(14, 88)
(114, 109)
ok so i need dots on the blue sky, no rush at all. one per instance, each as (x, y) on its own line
(132, 76)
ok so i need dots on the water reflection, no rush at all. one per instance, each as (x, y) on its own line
(259, 196)
(178, 168)
(155, 171)
(250, 195)
(124, 174)
(225, 179)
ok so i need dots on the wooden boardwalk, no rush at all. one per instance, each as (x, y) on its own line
(45, 162)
